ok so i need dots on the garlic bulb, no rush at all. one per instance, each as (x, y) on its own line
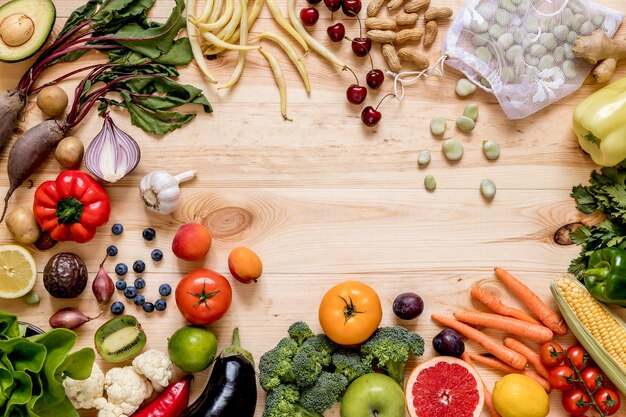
(160, 192)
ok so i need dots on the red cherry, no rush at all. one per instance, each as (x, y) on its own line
(336, 32)
(309, 16)
(370, 116)
(333, 5)
(375, 78)
(361, 46)
(356, 94)
(351, 7)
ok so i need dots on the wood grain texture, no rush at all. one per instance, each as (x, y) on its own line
(322, 199)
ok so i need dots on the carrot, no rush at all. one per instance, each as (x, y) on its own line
(534, 375)
(491, 301)
(494, 363)
(534, 332)
(466, 356)
(505, 354)
(548, 317)
(532, 356)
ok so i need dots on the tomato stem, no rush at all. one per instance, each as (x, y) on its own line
(203, 296)
(350, 310)
(592, 401)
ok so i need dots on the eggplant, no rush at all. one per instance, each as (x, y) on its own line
(231, 389)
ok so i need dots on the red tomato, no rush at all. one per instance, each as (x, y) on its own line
(578, 357)
(561, 378)
(576, 402)
(608, 401)
(203, 296)
(551, 354)
(592, 378)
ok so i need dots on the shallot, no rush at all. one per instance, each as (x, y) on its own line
(103, 286)
(69, 318)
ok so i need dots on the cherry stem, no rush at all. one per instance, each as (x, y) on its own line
(353, 73)
(383, 99)
(371, 60)
(360, 26)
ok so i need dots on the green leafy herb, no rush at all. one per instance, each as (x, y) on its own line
(606, 193)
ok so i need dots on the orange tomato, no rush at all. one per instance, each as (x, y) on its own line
(350, 312)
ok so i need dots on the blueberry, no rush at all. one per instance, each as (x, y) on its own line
(165, 290)
(148, 307)
(139, 266)
(117, 308)
(121, 269)
(156, 255)
(139, 300)
(160, 305)
(130, 292)
(149, 233)
(120, 285)
(140, 283)
(117, 229)
(112, 250)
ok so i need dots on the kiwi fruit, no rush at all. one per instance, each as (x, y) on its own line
(120, 339)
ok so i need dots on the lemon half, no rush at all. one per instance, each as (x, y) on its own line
(18, 271)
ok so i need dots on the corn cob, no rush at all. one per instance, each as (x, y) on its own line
(600, 332)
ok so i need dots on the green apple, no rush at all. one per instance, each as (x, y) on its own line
(373, 395)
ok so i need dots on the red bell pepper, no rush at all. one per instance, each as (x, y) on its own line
(169, 403)
(71, 207)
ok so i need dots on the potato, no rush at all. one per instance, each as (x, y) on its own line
(69, 152)
(23, 226)
(52, 100)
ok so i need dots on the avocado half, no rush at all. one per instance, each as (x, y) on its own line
(39, 15)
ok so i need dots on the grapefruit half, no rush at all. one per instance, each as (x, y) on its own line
(444, 387)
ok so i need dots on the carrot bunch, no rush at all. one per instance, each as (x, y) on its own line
(511, 356)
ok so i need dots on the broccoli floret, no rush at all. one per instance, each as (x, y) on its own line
(324, 393)
(283, 402)
(314, 354)
(300, 331)
(391, 347)
(275, 365)
(350, 364)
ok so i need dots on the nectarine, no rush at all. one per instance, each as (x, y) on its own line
(191, 242)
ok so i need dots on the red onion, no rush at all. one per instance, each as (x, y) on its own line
(103, 286)
(112, 154)
(68, 318)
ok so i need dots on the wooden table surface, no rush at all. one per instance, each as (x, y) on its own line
(323, 199)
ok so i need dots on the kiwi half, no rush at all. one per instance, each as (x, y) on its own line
(120, 339)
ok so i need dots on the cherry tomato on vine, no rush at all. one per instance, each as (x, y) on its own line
(576, 402)
(578, 357)
(608, 400)
(561, 378)
(592, 378)
(551, 354)
(350, 312)
(203, 296)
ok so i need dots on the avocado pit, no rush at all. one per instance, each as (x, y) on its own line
(16, 29)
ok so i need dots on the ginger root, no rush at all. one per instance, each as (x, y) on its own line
(597, 47)
(603, 72)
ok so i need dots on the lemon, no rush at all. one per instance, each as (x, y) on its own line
(517, 395)
(18, 271)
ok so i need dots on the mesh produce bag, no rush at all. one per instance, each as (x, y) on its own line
(521, 50)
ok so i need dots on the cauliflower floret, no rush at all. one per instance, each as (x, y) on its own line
(156, 366)
(83, 393)
(107, 409)
(125, 389)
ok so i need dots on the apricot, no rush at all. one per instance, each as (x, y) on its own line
(244, 265)
(192, 241)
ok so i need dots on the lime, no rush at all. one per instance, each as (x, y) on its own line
(517, 395)
(192, 348)
(18, 272)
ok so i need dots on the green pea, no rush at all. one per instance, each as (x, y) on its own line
(488, 189)
(491, 150)
(31, 298)
(465, 87)
(430, 183)
(465, 124)
(452, 149)
(423, 158)
(471, 111)
(438, 126)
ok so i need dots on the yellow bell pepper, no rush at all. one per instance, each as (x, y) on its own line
(600, 124)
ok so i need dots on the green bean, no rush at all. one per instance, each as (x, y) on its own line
(465, 87)
(430, 183)
(491, 150)
(31, 298)
(488, 189)
(465, 124)
(423, 158)
(452, 149)
(438, 126)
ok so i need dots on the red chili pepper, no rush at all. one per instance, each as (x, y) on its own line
(169, 403)
(71, 207)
